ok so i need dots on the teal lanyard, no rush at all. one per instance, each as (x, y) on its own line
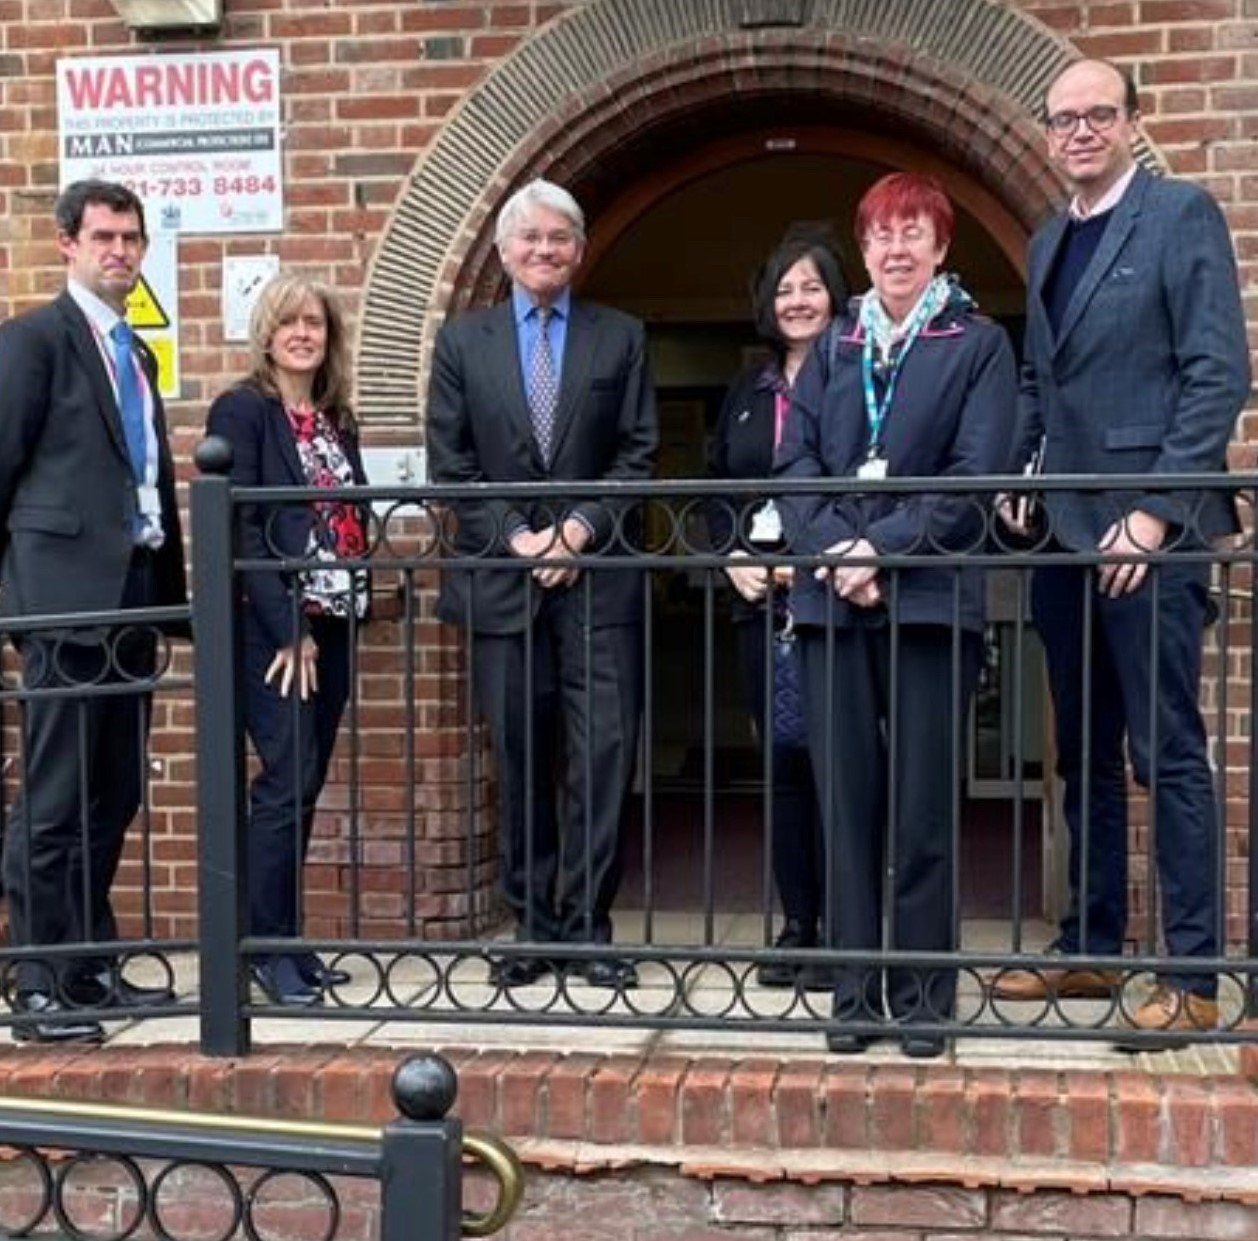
(875, 410)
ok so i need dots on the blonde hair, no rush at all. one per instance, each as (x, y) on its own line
(283, 297)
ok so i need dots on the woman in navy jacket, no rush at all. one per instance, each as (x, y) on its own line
(911, 382)
(795, 295)
(289, 424)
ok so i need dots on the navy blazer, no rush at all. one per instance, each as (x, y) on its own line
(67, 491)
(1150, 368)
(953, 414)
(480, 431)
(264, 454)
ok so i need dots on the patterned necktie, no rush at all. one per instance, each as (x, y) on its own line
(543, 384)
(130, 397)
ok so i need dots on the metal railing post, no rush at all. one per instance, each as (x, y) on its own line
(421, 1157)
(221, 833)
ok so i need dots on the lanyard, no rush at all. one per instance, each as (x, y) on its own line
(875, 410)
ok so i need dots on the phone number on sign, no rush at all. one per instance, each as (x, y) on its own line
(190, 187)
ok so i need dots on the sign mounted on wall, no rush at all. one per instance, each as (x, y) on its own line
(153, 309)
(195, 135)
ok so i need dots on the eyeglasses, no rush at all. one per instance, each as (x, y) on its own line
(557, 240)
(1099, 118)
(911, 235)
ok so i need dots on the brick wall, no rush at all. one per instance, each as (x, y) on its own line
(369, 87)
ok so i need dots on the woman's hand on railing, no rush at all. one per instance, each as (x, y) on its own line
(751, 581)
(856, 583)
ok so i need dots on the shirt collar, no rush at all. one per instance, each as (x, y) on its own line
(1108, 200)
(99, 314)
(524, 305)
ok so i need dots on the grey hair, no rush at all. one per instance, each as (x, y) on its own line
(538, 193)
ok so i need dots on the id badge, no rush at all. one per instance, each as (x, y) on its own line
(873, 469)
(766, 524)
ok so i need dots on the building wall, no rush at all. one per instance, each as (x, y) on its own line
(372, 89)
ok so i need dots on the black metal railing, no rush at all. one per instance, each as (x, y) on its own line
(432, 951)
(91, 1170)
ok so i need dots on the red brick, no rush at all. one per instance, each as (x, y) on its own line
(1205, 1221)
(705, 1103)
(611, 1100)
(1086, 1099)
(936, 1209)
(845, 1094)
(892, 1090)
(520, 1091)
(799, 1108)
(1037, 1100)
(752, 1118)
(1090, 1215)
(1189, 1123)
(735, 1204)
(1137, 1128)
(1236, 1106)
(657, 1088)
(567, 1095)
(941, 1112)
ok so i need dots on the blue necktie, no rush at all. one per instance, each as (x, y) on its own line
(130, 397)
(543, 391)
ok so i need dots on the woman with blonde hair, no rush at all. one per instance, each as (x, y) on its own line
(289, 424)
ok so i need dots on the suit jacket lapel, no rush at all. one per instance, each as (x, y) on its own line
(288, 443)
(578, 356)
(502, 356)
(82, 342)
(1112, 241)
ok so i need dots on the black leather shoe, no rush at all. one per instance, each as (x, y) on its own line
(35, 1027)
(923, 1046)
(518, 971)
(282, 983)
(318, 973)
(607, 972)
(785, 973)
(845, 1043)
(106, 991)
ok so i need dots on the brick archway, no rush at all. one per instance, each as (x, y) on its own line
(589, 94)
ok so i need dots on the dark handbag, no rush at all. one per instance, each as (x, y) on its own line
(788, 700)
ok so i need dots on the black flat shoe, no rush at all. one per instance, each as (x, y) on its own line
(35, 1026)
(607, 972)
(315, 971)
(106, 991)
(282, 983)
(923, 1046)
(785, 973)
(845, 1043)
(518, 971)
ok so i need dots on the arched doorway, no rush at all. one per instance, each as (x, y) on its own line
(608, 93)
(675, 251)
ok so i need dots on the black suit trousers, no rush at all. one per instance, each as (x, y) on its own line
(294, 740)
(885, 714)
(563, 702)
(83, 759)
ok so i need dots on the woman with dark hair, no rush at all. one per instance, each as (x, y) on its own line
(911, 382)
(795, 294)
(289, 424)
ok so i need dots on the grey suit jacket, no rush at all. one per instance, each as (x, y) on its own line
(480, 430)
(67, 494)
(1150, 368)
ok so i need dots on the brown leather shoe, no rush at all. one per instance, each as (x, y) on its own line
(1056, 984)
(1169, 1008)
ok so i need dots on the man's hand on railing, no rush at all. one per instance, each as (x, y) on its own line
(1135, 534)
(857, 583)
(300, 661)
(561, 545)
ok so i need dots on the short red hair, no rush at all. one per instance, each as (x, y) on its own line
(905, 196)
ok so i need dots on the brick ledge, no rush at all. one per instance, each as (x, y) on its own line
(750, 1118)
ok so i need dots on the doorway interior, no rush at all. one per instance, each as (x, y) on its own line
(678, 251)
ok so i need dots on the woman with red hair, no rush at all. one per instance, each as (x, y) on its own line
(910, 383)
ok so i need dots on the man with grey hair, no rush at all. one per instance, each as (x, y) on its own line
(546, 387)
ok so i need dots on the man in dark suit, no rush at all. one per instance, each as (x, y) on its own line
(1136, 363)
(546, 387)
(88, 523)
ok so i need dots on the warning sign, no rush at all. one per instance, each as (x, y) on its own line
(143, 308)
(153, 309)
